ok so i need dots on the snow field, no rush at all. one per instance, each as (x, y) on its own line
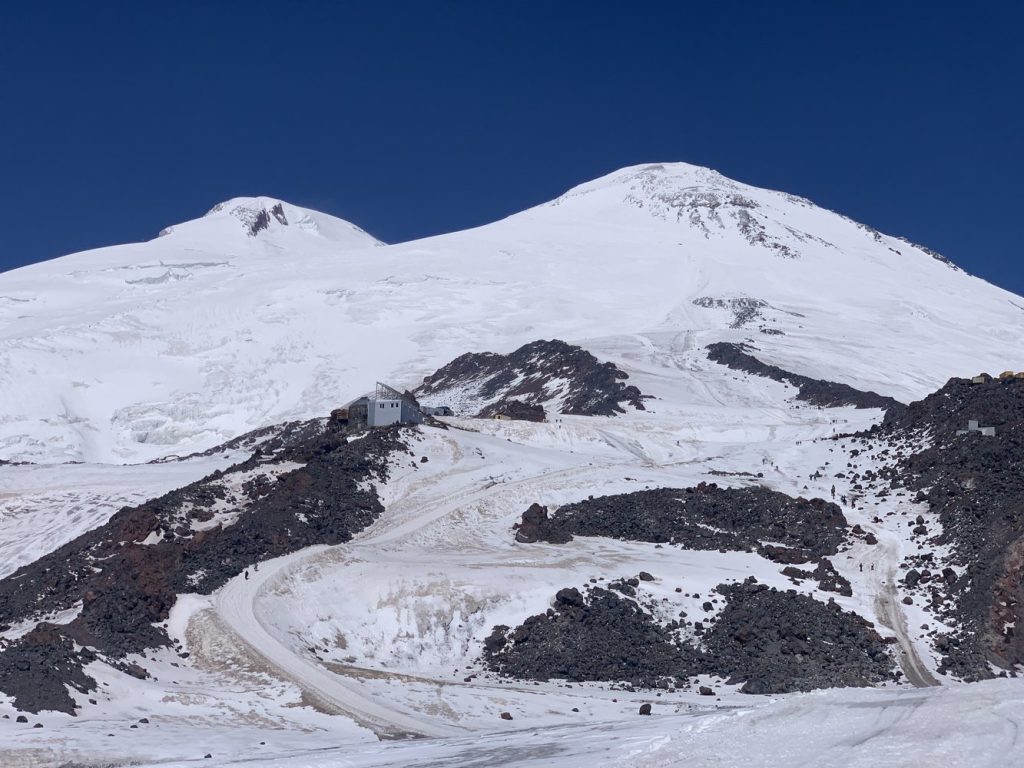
(129, 353)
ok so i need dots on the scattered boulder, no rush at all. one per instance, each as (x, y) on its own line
(830, 580)
(570, 596)
(535, 526)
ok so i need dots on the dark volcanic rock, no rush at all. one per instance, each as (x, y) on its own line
(534, 526)
(830, 580)
(516, 410)
(608, 638)
(826, 394)
(705, 517)
(790, 642)
(771, 641)
(570, 596)
(975, 484)
(125, 586)
(537, 373)
(36, 668)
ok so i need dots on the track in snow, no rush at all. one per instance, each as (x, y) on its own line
(891, 615)
(234, 606)
(443, 506)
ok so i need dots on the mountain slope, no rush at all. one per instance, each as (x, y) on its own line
(130, 353)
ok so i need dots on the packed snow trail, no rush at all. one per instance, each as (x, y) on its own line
(890, 613)
(234, 604)
(891, 616)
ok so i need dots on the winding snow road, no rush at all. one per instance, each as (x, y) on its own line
(234, 604)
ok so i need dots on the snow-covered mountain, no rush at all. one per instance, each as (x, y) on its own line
(260, 311)
(129, 352)
(703, 530)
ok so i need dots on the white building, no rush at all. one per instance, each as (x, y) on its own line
(385, 406)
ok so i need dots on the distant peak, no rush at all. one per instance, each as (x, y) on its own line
(251, 203)
(255, 213)
(679, 174)
(256, 217)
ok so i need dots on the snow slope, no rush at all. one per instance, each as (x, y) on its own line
(833, 729)
(304, 661)
(128, 353)
(137, 351)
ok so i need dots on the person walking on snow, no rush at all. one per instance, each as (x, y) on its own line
(833, 493)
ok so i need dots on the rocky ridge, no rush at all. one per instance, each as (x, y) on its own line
(824, 394)
(704, 517)
(974, 486)
(308, 485)
(551, 374)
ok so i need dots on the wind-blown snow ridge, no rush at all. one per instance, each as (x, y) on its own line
(262, 312)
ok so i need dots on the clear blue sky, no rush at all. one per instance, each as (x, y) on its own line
(412, 119)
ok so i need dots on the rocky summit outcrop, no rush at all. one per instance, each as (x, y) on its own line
(706, 517)
(974, 483)
(309, 485)
(768, 640)
(561, 377)
(825, 394)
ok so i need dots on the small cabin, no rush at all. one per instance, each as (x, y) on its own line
(384, 407)
(975, 426)
(981, 378)
(1006, 375)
